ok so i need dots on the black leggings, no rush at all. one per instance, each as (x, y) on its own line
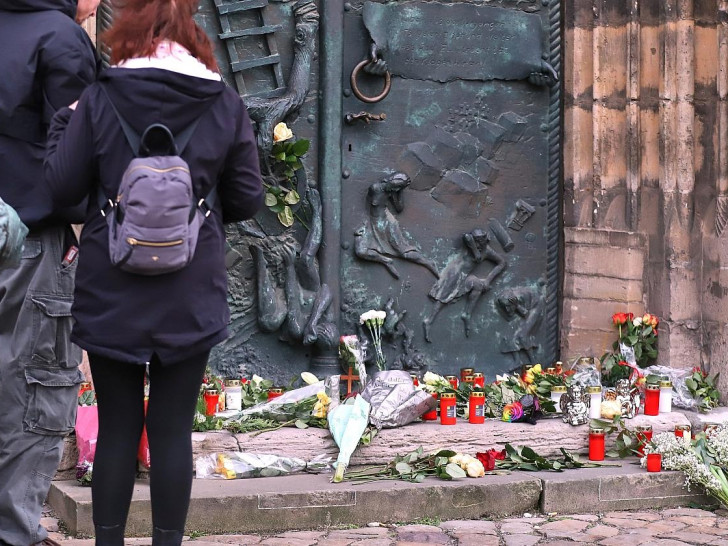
(173, 391)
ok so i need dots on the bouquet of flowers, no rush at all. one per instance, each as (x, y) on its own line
(703, 389)
(635, 348)
(374, 320)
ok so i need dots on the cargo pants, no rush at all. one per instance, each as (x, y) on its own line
(39, 380)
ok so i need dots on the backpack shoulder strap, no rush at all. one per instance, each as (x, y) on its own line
(132, 137)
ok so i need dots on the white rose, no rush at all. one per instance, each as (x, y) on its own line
(369, 315)
(475, 469)
(281, 132)
(309, 378)
(456, 458)
(431, 378)
(637, 321)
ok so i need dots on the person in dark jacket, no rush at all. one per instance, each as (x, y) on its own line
(163, 72)
(46, 61)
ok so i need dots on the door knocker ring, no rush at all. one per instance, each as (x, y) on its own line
(355, 86)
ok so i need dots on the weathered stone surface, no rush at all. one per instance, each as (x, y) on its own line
(478, 540)
(516, 527)
(521, 540)
(456, 527)
(563, 527)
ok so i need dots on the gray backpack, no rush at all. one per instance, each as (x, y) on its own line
(155, 219)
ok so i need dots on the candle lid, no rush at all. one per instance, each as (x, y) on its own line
(653, 387)
(232, 382)
(469, 378)
(558, 388)
(447, 395)
(710, 426)
(276, 390)
(414, 376)
(477, 394)
(666, 384)
(550, 370)
(477, 374)
(682, 427)
(643, 428)
(558, 363)
(211, 391)
(449, 377)
(595, 430)
(594, 389)
(469, 370)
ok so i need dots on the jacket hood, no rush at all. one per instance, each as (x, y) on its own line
(66, 6)
(152, 95)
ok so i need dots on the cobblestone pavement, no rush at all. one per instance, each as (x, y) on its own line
(669, 527)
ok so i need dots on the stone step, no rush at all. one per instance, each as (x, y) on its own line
(546, 437)
(303, 501)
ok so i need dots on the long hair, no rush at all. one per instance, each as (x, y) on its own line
(139, 26)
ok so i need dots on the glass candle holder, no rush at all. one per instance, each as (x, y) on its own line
(469, 380)
(432, 414)
(211, 400)
(654, 462)
(559, 367)
(596, 444)
(652, 400)
(476, 413)
(710, 428)
(234, 395)
(595, 401)
(447, 408)
(479, 380)
(274, 392)
(556, 393)
(466, 371)
(665, 396)
(682, 431)
(415, 379)
(551, 371)
(453, 380)
(644, 435)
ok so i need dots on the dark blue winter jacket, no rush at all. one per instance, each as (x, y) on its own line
(46, 61)
(130, 317)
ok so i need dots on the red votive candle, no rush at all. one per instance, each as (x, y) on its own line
(274, 393)
(644, 435)
(654, 462)
(652, 400)
(477, 408)
(682, 431)
(478, 380)
(453, 380)
(470, 380)
(465, 372)
(432, 414)
(415, 380)
(211, 398)
(596, 444)
(447, 408)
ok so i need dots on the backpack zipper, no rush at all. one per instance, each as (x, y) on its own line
(136, 242)
(169, 169)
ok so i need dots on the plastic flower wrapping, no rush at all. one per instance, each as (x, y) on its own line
(12, 235)
(238, 465)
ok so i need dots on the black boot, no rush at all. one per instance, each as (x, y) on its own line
(162, 537)
(109, 535)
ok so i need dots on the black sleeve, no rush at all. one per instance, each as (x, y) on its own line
(240, 187)
(69, 161)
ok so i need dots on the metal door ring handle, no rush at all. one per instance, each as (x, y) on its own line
(355, 86)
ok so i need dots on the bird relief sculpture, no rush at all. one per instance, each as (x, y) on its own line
(575, 406)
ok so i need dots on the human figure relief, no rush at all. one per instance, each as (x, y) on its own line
(523, 307)
(381, 238)
(458, 279)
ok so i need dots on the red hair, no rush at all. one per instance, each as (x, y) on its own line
(139, 26)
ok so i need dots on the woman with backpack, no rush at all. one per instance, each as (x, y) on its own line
(157, 139)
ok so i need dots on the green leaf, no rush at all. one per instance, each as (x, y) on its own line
(419, 478)
(285, 217)
(447, 453)
(403, 468)
(270, 199)
(278, 207)
(292, 197)
(280, 156)
(632, 340)
(300, 424)
(529, 453)
(691, 384)
(300, 147)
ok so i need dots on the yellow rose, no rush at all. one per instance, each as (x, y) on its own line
(281, 132)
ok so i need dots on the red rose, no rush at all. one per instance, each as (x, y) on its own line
(619, 318)
(630, 317)
(490, 457)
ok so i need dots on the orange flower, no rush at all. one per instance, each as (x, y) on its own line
(619, 318)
